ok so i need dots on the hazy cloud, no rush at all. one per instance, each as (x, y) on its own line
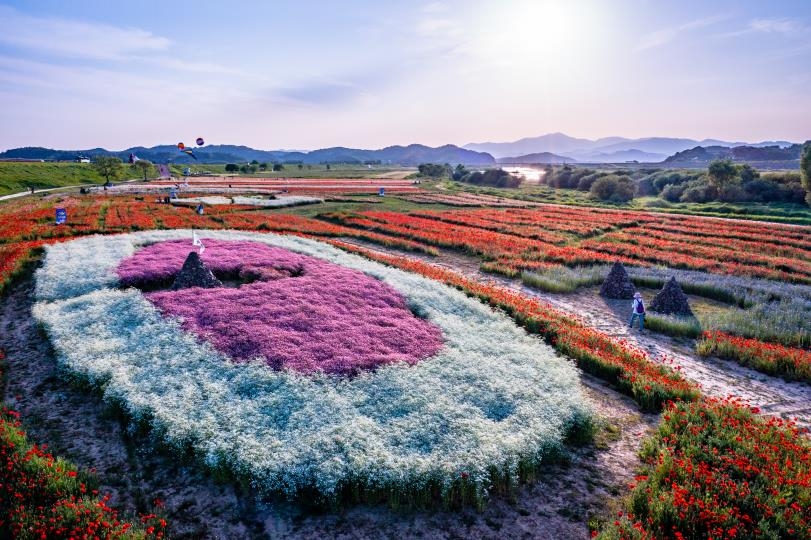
(321, 93)
(74, 38)
(435, 7)
(782, 25)
(666, 35)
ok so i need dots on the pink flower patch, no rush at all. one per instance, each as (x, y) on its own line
(294, 311)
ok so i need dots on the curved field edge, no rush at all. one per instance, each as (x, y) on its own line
(706, 436)
(42, 496)
(494, 467)
(650, 384)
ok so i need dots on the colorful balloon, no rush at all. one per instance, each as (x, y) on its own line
(181, 146)
(200, 141)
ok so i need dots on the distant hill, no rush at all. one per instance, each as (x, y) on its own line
(706, 154)
(410, 155)
(608, 149)
(540, 157)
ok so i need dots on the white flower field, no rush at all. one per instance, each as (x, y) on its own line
(491, 402)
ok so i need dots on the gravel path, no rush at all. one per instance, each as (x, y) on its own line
(717, 377)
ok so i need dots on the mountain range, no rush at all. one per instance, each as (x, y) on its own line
(413, 154)
(550, 148)
(605, 150)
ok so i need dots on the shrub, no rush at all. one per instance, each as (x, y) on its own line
(613, 188)
(699, 193)
(585, 183)
(673, 192)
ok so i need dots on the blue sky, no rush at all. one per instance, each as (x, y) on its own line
(310, 74)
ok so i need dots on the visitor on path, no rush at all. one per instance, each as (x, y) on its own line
(637, 310)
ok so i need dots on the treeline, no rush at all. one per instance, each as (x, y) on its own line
(723, 181)
(488, 177)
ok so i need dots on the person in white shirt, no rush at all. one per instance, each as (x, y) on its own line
(637, 311)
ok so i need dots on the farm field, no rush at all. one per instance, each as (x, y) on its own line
(19, 176)
(511, 399)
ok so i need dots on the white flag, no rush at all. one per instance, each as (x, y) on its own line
(197, 242)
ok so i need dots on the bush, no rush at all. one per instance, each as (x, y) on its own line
(567, 177)
(673, 192)
(613, 188)
(731, 193)
(699, 193)
(585, 183)
(492, 177)
(645, 187)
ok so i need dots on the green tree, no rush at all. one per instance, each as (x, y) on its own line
(278, 167)
(254, 162)
(300, 166)
(108, 167)
(231, 167)
(435, 170)
(460, 172)
(805, 170)
(263, 166)
(747, 173)
(144, 165)
(722, 172)
(613, 188)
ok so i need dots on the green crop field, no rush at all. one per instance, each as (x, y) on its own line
(16, 176)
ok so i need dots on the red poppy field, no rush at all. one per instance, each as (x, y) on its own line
(716, 466)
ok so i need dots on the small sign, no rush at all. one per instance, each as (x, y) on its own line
(381, 192)
(61, 216)
(172, 193)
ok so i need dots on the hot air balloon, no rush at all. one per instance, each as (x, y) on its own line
(181, 146)
(200, 141)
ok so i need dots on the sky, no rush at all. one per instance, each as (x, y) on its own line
(368, 74)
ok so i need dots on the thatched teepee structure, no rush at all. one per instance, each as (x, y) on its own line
(195, 274)
(617, 284)
(671, 300)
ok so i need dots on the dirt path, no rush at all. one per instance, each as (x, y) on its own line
(719, 378)
(76, 424)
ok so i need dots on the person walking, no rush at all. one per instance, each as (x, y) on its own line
(637, 310)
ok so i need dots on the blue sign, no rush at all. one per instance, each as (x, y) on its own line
(61, 216)
(172, 193)
(381, 192)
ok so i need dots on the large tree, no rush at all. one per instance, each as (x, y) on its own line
(144, 165)
(108, 167)
(805, 170)
(722, 172)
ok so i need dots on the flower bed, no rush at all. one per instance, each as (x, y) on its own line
(715, 469)
(650, 384)
(483, 412)
(297, 312)
(769, 358)
(278, 202)
(42, 496)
